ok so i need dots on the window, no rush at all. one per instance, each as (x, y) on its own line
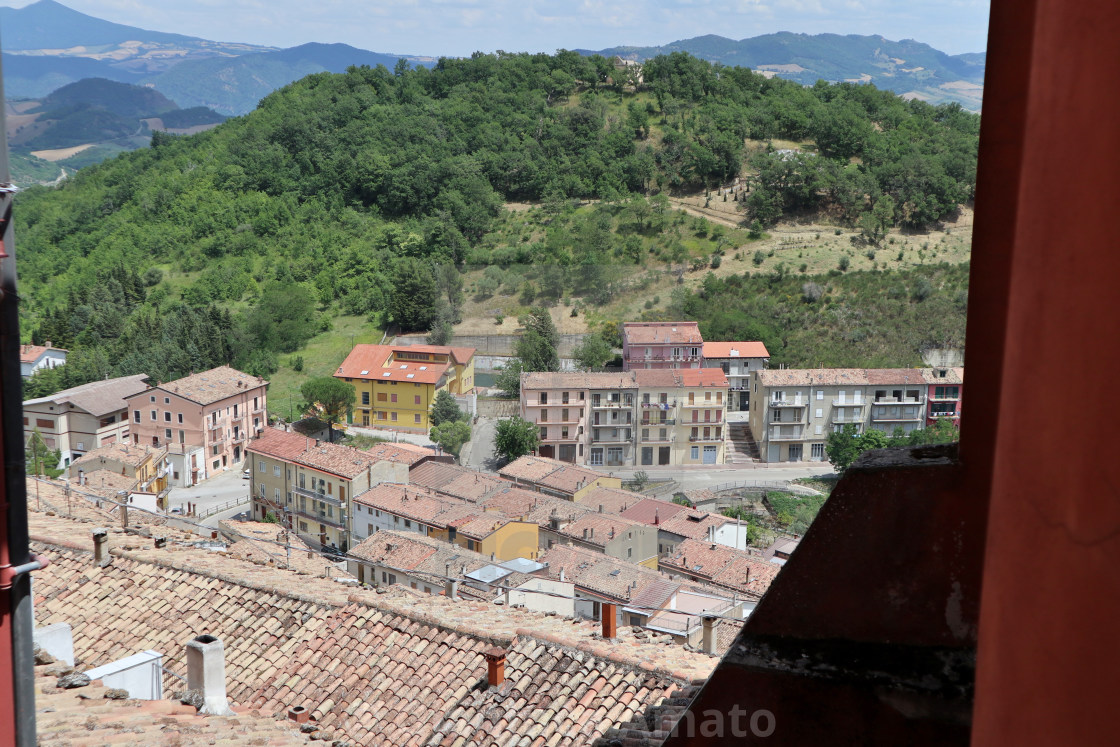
(261, 466)
(167, 417)
(380, 414)
(365, 398)
(564, 398)
(394, 416)
(694, 453)
(416, 418)
(180, 418)
(544, 432)
(276, 494)
(408, 524)
(369, 528)
(167, 400)
(564, 415)
(416, 401)
(820, 413)
(276, 470)
(152, 398)
(564, 432)
(393, 397)
(182, 436)
(543, 399)
(136, 416)
(817, 451)
(470, 544)
(154, 415)
(167, 433)
(597, 456)
(629, 552)
(820, 395)
(382, 397)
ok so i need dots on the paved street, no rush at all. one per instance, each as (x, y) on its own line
(707, 477)
(481, 454)
(223, 488)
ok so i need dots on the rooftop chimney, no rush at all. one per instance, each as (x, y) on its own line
(610, 620)
(81, 477)
(100, 538)
(206, 672)
(495, 666)
(585, 532)
(561, 574)
(600, 508)
(453, 590)
(299, 714)
(709, 639)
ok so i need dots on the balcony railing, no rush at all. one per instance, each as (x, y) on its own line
(897, 401)
(619, 439)
(655, 423)
(944, 415)
(657, 439)
(713, 438)
(604, 404)
(661, 405)
(787, 403)
(570, 438)
(798, 436)
(338, 521)
(318, 496)
(846, 403)
(703, 403)
(944, 398)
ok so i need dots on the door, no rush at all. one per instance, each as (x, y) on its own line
(662, 454)
(710, 454)
(795, 452)
(647, 455)
(773, 452)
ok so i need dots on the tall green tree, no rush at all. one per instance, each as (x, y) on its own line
(451, 435)
(444, 409)
(509, 378)
(537, 346)
(515, 437)
(412, 300)
(593, 352)
(332, 397)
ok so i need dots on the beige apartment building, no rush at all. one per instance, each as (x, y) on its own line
(78, 420)
(644, 417)
(205, 420)
(794, 410)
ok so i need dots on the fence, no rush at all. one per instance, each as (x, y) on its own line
(224, 507)
(785, 486)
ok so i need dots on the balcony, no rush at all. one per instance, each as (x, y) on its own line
(610, 404)
(701, 404)
(901, 417)
(569, 439)
(613, 424)
(660, 405)
(339, 521)
(216, 437)
(944, 415)
(711, 439)
(897, 401)
(944, 398)
(847, 403)
(605, 439)
(330, 499)
(796, 436)
(655, 423)
(239, 437)
(788, 403)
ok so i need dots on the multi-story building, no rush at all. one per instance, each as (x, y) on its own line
(397, 384)
(661, 345)
(33, 358)
(796, 409)
(682, 416)
(943, 398)
(736, 360)
(147, 465)
(643, 417)
(205, 420)
(84, 418)
(269, 460)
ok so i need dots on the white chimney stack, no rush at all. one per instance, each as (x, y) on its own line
(206, 672)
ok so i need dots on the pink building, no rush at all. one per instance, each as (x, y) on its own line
(661, 345)
(943, 400)
(205, 420)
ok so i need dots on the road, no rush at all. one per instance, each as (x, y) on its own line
(223, 488)
(480, 454)
(696, 478)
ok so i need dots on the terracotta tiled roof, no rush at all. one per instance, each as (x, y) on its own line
(454, 480)
(280, 444)
(651, 510)
(601, 528)
(214, 385)
(373, 668)
(103, 483)
(533, 506)
(952, 377)
(578, 380)
(654, 724)
(680, 377)
(735, 350)
(396, 549)
(404, 453)
(599, 574)
(99, 397)
(810, 376)
(31, 353)
(653, 333)
(344, 461)
(692, 524)
(721, 566)
(613, 500)
(370, 362)
(551, 473)
(86, 716)
(268, 544)
(413, 503)
(124, 452)
(895, 376)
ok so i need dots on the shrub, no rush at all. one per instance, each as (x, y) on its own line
(845, 263)
(759, 257)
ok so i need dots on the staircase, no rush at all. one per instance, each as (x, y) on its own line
(740, 447)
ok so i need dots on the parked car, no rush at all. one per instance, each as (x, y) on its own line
(247, 474)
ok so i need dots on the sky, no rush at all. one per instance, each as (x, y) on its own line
(460, 27)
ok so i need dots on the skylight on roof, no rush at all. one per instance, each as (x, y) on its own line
(387, 373)
(404, 365)
(409, 376)
(615, 572)
(423, 368)
(365, 372)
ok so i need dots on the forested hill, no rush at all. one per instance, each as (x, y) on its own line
(342, 193)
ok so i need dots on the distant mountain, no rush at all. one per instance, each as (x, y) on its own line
(907, 67)
(98, 111)
(50, 25)
(235, 85)
(27, 77)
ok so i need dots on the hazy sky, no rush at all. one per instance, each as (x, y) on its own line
(459, 27)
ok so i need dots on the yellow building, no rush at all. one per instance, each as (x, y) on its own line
(147, 465)
(498, 536)
(397, 384)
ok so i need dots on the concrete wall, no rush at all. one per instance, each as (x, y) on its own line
(498, 408)
(502, 345)
(526, 596)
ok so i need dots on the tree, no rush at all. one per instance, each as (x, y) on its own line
(451, 435)
(450, 285)
(332, 397)
(843, 447)
(514, 438)
(509, 378)
(537, 347)
(444, 409)
(412, 300)
(593, 352)
(41, 459)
